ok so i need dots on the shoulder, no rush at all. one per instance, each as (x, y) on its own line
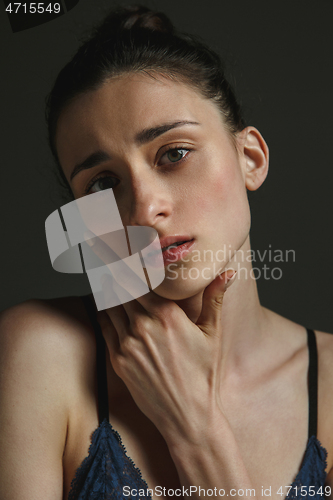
(51, 328)
(36, 311)
(52, 339)
(45, 347)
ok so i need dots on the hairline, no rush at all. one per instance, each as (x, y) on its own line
(153, 73)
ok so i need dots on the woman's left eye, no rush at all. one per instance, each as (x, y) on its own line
(173, 155)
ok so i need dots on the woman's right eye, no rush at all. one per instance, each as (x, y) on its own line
(101, 183)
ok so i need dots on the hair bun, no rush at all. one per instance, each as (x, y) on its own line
(142, 17)
(136, 17)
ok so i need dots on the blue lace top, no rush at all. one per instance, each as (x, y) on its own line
(107, 473)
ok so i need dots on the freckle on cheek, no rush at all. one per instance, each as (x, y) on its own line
(218, 191)
(202, 201)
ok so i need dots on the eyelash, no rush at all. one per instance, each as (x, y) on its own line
(171, 148)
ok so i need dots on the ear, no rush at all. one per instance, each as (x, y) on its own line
(254, 157)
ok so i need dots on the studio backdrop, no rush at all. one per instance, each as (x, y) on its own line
(278, 57)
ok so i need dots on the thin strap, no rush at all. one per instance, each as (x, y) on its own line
(313, 383)
(102, 387)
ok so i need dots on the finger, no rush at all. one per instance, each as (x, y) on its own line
(116, 294)
(151, 300)
(127, 317)
(131, 278)
(100, 248)
(210, 318)
(125, 280)
(116, 314)
(109, 332)
(124, 316)
(123, 285)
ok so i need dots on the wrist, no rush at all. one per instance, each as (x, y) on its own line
(212, 459)
(199, 436)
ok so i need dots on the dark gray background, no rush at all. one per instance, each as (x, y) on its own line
(280, 57)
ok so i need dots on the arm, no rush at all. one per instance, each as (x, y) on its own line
(212, 460)
(33, 404)
(172, 367)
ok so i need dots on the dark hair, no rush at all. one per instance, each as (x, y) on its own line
(136, 39)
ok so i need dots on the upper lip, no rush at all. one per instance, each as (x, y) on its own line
(166, 241)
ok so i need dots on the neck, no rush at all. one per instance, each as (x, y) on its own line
(244, 324)
(244, 320)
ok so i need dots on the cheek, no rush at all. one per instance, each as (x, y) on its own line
(220, 195)
(224, 208)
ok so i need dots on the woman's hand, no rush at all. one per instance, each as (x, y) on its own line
(171, 366)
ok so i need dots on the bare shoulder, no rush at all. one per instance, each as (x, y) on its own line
(49, 315)
(45, 347)
(53, 328)
(50, 338)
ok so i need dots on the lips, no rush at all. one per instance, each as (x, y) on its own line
(168, 241)
(173, 248)
(176, 248)
(173, 245)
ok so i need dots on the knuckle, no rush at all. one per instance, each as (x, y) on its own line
(217, 301)
(140, 326)
(119, 363)
(166, 315)
(126, 346)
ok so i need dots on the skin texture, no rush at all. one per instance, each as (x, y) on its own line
(187, 198)
(222, 380)
(151, 340)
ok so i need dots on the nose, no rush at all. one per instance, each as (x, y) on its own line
(149, 204)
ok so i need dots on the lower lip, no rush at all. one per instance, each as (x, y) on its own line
(175, 254)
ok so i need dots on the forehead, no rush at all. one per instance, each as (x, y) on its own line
(125, 105)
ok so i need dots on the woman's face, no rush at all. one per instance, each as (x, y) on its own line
(172, 164)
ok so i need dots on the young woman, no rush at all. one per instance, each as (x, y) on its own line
(211, 395)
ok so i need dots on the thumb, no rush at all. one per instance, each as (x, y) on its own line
(210, 317)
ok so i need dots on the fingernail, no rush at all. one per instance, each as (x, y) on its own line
(230, 275)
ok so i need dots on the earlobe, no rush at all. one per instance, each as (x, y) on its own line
(255, 157)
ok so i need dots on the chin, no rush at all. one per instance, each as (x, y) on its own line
(182, 288)
(175, 295)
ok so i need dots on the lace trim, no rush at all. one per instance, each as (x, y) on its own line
(323, 452)
(116, 433)
(311, 463)
(84, 467)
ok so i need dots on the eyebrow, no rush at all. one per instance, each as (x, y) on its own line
(92, 161)
(149, 134)
(143, 137)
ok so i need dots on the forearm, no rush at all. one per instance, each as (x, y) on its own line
(212, 461)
